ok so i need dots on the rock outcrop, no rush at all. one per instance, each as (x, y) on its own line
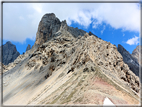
(129, 59)
(136, 52)
(28, 47)
(10, 53)
(70, 69)
(49, 25)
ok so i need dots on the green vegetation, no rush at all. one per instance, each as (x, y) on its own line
(69, 97)
(79, 99)
(106, 79)
(54, 101)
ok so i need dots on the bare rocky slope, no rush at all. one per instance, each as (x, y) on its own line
(65, 67)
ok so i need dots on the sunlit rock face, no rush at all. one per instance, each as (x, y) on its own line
(136, 53)
(49, 25)
(69, 67)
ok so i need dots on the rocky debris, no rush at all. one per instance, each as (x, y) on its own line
(64, 47)
(136, 53)
(3, 68)
(9, 53)
(129, 59)
(70, 69)
(28, 47)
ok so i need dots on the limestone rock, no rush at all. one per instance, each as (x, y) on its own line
(10, 53)
(70, 68)
(49, 25)
(28, 47)
(129, 59)
(136, 52)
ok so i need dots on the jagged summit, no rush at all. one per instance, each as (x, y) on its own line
(49, 16)
(9, 53)
(28, 47)
(69, 66)
(136, 53)
(49, 25)
(129, 59)
(8, 42)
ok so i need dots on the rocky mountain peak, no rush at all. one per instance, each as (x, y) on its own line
(8, 42)
(64, 25)
(28, 47)
(49, 16)
(49, 25)
(10, 53)
(136, 52)
(129, 59)
(122, 49)
(70, 66)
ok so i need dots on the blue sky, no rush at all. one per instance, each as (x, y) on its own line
(118, 23)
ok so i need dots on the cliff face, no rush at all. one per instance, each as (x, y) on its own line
(136, 53)
(49, 25)
(129, 59)
(10, 53)
(68, 68)
(28, 47)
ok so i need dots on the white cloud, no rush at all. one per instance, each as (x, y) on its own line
(133, 41)
(21, 20)
(104, 27)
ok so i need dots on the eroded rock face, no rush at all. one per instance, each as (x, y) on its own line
(28, 47)
(136, 52)
(129, 59)
(49, 25)
(69, 69)
(10, 53)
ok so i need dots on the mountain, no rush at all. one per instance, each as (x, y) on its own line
(49, 25)
(129, 59)
(9, 53)
(69, 66)
(28, 47)
(136, 52)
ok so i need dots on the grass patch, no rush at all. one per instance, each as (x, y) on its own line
(81, 80)
(106, 79)
(61, 75)
(56, 99)
(78, 100)
(69, 97)
(100, 74)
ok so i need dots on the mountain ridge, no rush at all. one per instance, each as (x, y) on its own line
(69, 69)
